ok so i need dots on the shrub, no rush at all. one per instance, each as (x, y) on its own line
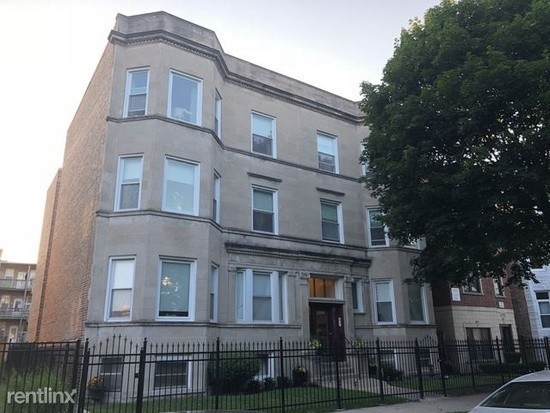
(269, 383)
(236, 369)
(283, 382)
(300, 376)
(254, 386)
(512, 368)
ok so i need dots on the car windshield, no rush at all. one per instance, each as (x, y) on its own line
(522, 395)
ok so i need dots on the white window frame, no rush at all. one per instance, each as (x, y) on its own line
(278, 298)
(359, 298)
(499, 285)
(275, 199)
(539, 301)
(466, 289)
(334, 141)
(218, 114)
(120, 183)
(14, 304)
(269, 366)
(198, 116)
(213, 293)
(128, 93)
(375, 301)
(196, 185)
(369, 233)
(273, 132)
(340, 217)
(216, 197)
(192, 289)
(110, 288)
(424, 303)
(168, 358)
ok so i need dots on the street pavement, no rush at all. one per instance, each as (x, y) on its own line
(428, 405)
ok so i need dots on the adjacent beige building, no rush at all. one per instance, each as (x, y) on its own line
(16, 285)
(202, 196)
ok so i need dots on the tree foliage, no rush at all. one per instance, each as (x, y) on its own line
(459, 144)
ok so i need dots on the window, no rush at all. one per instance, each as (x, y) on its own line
(171, 371)
(218, 115)
(327, 153)
(543, 299)
(185, 98)
(383, 297)
(110, 370)
(357, 296)
(176, 291)
(417, 303)
(121, 282)
(331, 218)
(263, 135)
(260, 296)
(378, 234)
(5, 302)
(137, 84)
(499, 287)
(9, 274)
(480, 343)
(181, 187)
(388, 358)
(323, 287)
(213, 301)
(473, 286)
(264, 210)
(128, 183)
(365, 167)
(18, 304)
(216, 199)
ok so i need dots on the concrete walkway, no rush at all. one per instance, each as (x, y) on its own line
(428, 405)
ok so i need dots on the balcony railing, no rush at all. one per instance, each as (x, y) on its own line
(14, 313)
(9, 283)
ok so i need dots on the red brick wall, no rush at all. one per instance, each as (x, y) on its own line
(65, 302)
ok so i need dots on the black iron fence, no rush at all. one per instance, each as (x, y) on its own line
(119, 375)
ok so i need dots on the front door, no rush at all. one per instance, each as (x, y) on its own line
(326, 323)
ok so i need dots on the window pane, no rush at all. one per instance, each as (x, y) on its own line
(383, 292)
(542, 295)
(263, 221)
(262, 126)
(137, 96)
(121, 303)
(131, 169)
(263, 200)
(329, 212)
(331, 231)
(139, 82)
(384, 312)
(262, 309)
(174, 289)
(326, 162)
(416, 308)
(180, 192)
(184, 98)
(170, 373)
(261, 296)
(123, 273)
(544, 307)
(545, 319)
(354, 297)
(263, 145)
(262, 284)
(325, 144)
(129, 196)
(239, 295)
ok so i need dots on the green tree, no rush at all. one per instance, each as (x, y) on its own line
(459, 144)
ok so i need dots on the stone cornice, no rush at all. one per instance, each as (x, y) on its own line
(217, 56)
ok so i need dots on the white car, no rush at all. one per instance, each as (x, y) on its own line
(526, 394)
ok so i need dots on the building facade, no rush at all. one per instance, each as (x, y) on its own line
(480, 310)
(537, 299)
(202, 196)
(16, 285)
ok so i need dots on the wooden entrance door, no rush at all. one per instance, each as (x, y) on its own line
(326, 323)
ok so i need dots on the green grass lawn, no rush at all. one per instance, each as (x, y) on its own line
(454, 382)
(299, 399)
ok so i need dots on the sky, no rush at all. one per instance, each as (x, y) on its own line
(49, 50)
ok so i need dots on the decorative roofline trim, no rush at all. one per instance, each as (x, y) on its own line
(159, 35)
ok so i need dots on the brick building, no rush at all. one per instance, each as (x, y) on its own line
(202, 196)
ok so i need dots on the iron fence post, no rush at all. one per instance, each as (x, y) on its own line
(379, 370)
(282, 374)
(83, 377)
(500, 365)
(471, 359)
(74, 373)
(523, 352)
(333, 353)
(418, 368)
(141, 377)
(217, 378)
(442, 363)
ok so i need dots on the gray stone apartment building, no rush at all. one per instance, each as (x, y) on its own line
(203, 196)
(16, 283)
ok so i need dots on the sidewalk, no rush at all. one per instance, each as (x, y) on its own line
(428, 405)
